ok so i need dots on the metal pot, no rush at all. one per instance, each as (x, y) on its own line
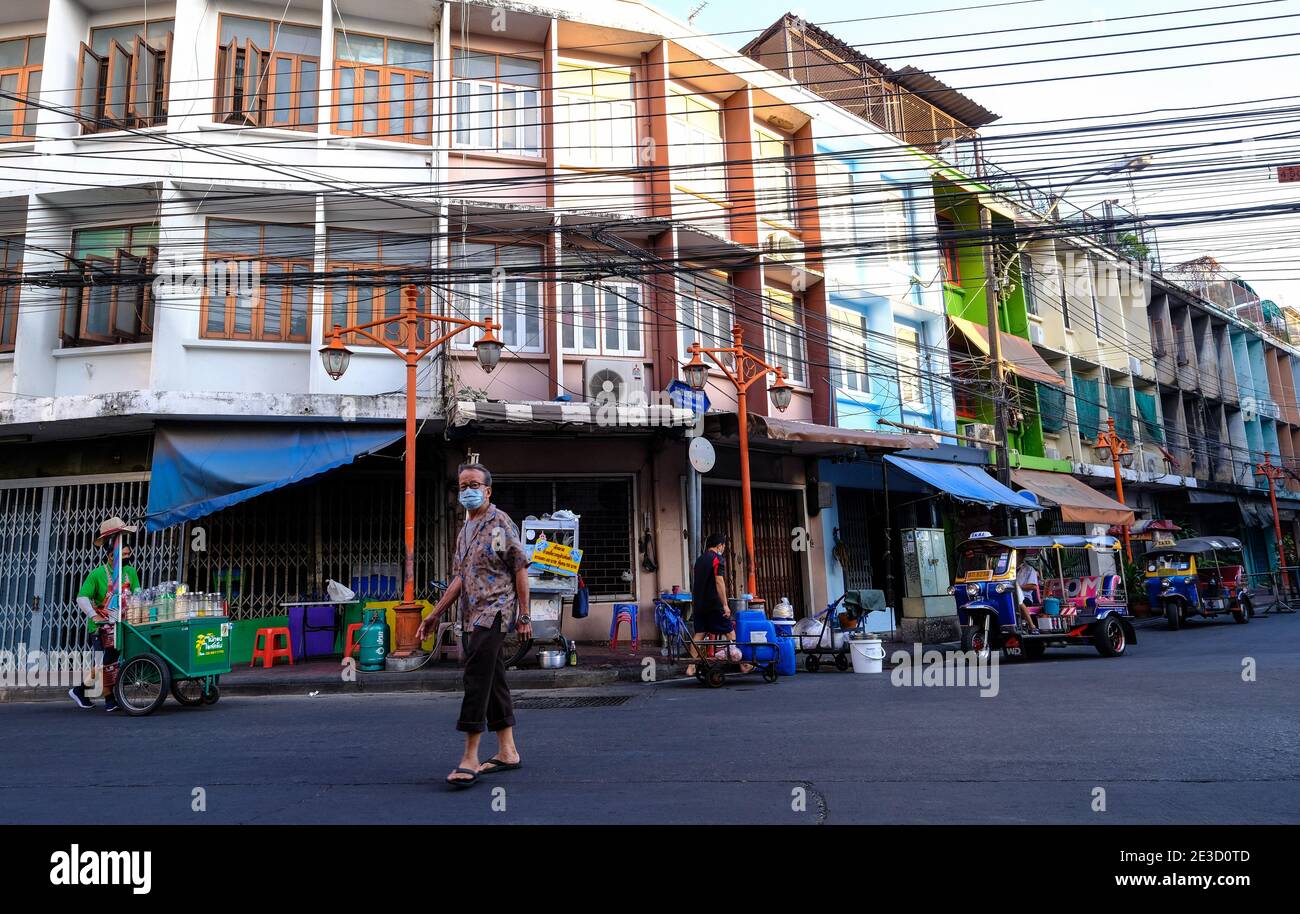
(551, 660)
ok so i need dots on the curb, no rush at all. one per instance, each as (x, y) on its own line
(374, 684)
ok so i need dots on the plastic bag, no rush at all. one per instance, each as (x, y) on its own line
(338, 592)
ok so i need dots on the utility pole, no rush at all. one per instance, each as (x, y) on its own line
(992, 298)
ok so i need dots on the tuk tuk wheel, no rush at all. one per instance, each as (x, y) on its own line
(975, 640)
(716, 678)
(142, 684)
(1173, 615)
(188, 692)
(841, 662)
(811, 663)
(1109, 638)
(1242, 616)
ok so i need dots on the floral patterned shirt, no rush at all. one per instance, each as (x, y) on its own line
(488, 553)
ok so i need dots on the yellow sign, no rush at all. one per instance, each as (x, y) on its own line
(558, 558)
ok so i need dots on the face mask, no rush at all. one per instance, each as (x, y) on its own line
(472, 499)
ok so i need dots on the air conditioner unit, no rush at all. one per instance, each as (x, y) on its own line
(610, 381)
(1052, 453)
(1153, 466)
(1036, 334)
(1134, 365)
(983, 433)
(781, 246)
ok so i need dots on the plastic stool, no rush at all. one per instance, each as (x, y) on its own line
(623, 611)
(350, 642)
(269, 650)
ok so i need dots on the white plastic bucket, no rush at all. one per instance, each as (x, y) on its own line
(868, 654)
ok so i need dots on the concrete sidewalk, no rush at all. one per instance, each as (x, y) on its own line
(598, 666)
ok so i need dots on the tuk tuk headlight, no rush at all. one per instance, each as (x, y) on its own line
(1003, 587)
(972, 590)
(1165, 584)
(952, 590)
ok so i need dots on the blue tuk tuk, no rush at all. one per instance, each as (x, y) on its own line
(1204, 576)
(1023, 594)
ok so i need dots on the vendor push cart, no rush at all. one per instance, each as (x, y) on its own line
(551, 545)
(183, 656)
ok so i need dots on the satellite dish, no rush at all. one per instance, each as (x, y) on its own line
(701, 454)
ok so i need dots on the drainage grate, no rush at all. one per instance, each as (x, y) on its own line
(557, 704)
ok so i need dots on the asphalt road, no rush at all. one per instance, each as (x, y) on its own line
(1170, 732)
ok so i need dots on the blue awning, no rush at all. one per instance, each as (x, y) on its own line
(967, 483)
(199, 469)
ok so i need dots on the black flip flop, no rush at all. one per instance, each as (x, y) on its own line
(498, 765)
(462, 783)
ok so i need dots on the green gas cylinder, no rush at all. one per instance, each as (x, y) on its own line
(373, 641)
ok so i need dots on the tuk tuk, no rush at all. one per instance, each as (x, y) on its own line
(1204, 576)
(1022, 594)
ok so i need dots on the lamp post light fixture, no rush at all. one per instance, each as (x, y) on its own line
(1111, 447)
(743, 369)
(411, 347)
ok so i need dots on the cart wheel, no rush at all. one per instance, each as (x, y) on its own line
(188, 692)
(841, 662)
(212, 695)
(716, 677)
(514, 649)
(142, 685)
(769, 673)
(810, 663)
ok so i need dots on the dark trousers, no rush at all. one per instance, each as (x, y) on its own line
(487, 703)
(111, 656)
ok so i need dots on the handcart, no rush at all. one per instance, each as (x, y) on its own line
(184, 656)
(711, 669)
(857, 605)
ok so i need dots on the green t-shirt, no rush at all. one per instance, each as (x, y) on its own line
(95, 588)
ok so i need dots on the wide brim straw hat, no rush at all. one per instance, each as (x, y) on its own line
(112, 526)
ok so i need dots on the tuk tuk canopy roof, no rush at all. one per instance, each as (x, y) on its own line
(1199, 544)
(1073, 541)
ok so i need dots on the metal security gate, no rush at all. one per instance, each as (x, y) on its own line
(47, 533)
(270, 550)
(777, 513)
(853, 549)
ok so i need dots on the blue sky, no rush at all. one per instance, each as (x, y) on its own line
(1266, 252)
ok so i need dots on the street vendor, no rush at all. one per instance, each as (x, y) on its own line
(98, 593)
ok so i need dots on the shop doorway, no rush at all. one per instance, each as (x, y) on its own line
(853, 545)
(777, 514)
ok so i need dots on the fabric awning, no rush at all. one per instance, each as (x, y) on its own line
(577, 413)
(1079, 502)
(1018, 355)
(963, 482)
(1256, 514)
(199, 469)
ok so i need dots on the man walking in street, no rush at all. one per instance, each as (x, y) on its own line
(710, 613)
(97, 593)
(490, 587)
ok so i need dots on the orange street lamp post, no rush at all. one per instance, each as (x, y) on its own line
(410, 349)
(1112, 447)
(1272, 472)
(746, 369)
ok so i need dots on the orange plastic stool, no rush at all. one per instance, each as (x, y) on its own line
(269, 650)
(350, 643)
